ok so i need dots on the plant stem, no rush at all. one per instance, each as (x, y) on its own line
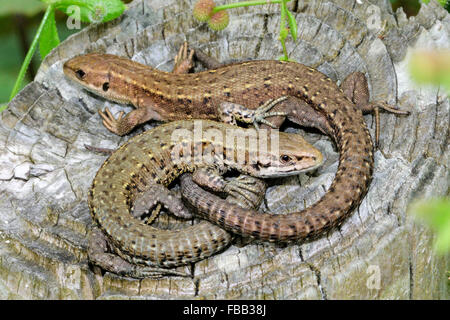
(283, 26)
(245, 4)
(30, 53)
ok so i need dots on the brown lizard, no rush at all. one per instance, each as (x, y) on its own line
(135, 178)
(219, 93)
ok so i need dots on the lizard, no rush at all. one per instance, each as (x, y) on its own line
(229, 93)
(163, 96)
(135, 177)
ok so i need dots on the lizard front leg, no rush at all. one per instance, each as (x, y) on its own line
(241, 187)
(244, 190)
(123, 125)
(159, 194)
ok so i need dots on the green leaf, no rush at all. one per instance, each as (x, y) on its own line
(49, 38)
(292, 24)
(92, 11)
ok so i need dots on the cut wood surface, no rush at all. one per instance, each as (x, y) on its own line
(379, 252)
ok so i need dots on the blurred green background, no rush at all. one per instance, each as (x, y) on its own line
(19, 20)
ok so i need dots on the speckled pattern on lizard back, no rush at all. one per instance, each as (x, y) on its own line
(158, 95)
(167, 96)
(352, 137)
(251, 84)
(146, 161)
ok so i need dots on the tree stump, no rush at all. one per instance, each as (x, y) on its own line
(379, 252)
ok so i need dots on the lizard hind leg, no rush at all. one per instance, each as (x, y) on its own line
(158, 195)
(356, 88)
(100, 253)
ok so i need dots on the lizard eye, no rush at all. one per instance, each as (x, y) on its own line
(80, 74)
(106, 86)
(285, 158)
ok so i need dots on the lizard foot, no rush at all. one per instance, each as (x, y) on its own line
(260, 114)
(233, 112)
(184, 61)
(244, 187)
(155, 196)
(356, 88)
(246, 198)
(110, 122)
(101, 254)
(375, 106)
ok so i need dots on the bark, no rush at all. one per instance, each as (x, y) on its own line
(379, 252)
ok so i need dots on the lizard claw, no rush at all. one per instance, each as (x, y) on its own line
(183, 60)
(109, 121)
(260, 114)
(375, 106)
(260, 119)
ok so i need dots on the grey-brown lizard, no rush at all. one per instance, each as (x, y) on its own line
(134, 178)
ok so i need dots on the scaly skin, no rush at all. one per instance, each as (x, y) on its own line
(146, 162)
(165, 96)
(348, 129)
(178, 95)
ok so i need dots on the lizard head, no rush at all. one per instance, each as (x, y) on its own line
(289, 154)
(93, 72)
